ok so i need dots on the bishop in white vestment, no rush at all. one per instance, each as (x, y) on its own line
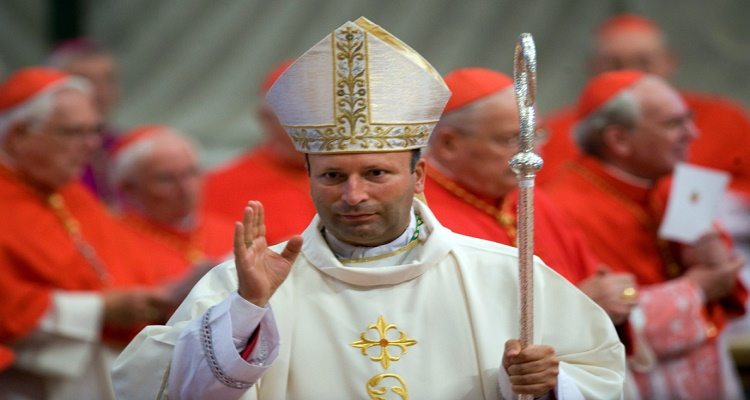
(423, 314)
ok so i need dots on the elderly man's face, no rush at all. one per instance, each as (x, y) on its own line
(365, 199)
(484, 150)
(56, 151)
(166, 182)
(664, 131)
(631, 49)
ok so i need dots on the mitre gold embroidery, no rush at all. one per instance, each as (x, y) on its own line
(354, 129)
(384, 358)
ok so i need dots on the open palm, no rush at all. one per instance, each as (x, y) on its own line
(260, 271)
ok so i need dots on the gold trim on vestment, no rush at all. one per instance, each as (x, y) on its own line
(384, 358)
(412, 243)
(379, 393)
(408, 246)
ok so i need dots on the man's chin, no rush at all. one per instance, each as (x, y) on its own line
(359, 236)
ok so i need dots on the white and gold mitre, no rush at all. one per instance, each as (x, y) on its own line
(360, 89)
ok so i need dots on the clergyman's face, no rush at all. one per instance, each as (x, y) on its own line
(56, 152)
(664, 131)
(484, 151)
(167, 182)
(643, 51)
(365, 199)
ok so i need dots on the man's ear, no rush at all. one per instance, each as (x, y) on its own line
(617, 141)
(419, 170)
(15, 132)
(446, 143)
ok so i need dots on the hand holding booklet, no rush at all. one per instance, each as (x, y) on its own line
(693, 203)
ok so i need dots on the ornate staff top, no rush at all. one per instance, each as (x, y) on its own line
(526, 163)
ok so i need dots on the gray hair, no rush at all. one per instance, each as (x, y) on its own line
(37, 110)
(124, 163)
(622, 110)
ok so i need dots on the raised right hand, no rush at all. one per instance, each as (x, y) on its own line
(260, 271)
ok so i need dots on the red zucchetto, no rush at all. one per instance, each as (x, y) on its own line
(626, 22)
(603, 87)
(468, 85)
(27, 83)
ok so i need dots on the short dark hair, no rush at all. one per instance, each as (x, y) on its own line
(416, 154)
(622, 110)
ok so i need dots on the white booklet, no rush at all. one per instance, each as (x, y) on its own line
(693, 202)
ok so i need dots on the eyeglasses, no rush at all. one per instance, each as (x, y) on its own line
(77, 132)
(540, 136)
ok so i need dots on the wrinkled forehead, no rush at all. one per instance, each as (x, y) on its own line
(171, 146)
(74, 105)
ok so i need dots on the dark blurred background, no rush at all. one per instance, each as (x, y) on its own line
(196, 64)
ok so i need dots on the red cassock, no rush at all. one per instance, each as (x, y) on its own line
(258, 175)
(175, 252)
(556, 240)
(724, 141)
(559, 147)
(620, 221)
(6, 357)
(40, 253)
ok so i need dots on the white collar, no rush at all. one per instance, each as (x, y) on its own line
(344, 250)
(434, 244)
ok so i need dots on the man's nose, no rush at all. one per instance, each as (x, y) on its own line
(691, 131)
(189, 183)
(93, 140)
(355, 191)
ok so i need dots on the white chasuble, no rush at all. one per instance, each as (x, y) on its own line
(432, 327)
